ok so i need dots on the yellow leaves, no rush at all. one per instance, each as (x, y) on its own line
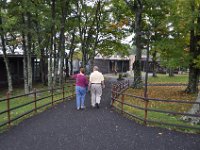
(113, 26)
(119, 24)
(164, 93)
(187, 49)
(123, 22)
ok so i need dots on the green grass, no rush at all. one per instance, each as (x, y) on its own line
(162, 78)
(25, 99)
(161, 117)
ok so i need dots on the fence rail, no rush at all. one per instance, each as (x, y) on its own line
(118, 95)
(33, 102)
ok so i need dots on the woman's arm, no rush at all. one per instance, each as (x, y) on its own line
(74, 76)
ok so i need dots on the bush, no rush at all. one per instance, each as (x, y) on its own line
(125, 75)
(120, 77)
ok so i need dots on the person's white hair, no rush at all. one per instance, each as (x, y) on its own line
(95, 68)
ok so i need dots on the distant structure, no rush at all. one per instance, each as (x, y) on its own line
(114, 63)
(16, 69)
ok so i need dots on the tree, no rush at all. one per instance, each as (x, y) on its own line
(3, 43)
(194, 72)
(64, 4)
(27, 45)
(156, 12)
(172, 54)
(41, 37)
(52, 38)
(194, 65)
(99, 34)
(137, 8)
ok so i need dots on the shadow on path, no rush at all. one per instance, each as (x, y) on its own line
(65, 128)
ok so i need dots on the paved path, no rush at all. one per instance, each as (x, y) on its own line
(65, 128)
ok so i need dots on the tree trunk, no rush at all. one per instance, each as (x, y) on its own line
(137, 69)
(42, 67)
(26, 88)
(55, 64)
(194, 110)
(97, 20)
(194, 72)
(83, 26)
(72, 52)
(171, 72)
(71, 64)
(30, 72)
(154, 64)
(42, 55)
(91, 64)
(137, 8)
(84, 58)
(25, 61)
(61, 64)
(62, 40)
(50, 71)
(192, 86)
(29, 56)
(66, 68)
(50, 66)
(9, 77)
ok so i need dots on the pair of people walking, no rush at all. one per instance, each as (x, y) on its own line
(95, 85)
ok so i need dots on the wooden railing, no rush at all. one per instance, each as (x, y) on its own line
(118, 95)
(14, 108)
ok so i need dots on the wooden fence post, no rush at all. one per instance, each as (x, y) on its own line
(8, 107)
(35, 102)
(63, 89)
(122, 104)
(113, 93)
(52, 96)
(112, 96)
(117, 90)
(145, 111)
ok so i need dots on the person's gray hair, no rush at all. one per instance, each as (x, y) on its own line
(95, 68)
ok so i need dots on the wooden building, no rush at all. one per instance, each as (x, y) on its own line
(120, 64)
(114, 64)
(16, 69)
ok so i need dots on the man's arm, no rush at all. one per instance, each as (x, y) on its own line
(102, 82)
(89, 84)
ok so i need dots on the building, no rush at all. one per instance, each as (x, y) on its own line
(16, 69)
(114, 63)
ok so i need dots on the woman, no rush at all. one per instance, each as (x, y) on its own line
(81, 86)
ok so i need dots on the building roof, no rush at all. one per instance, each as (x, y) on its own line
(15, 56)
(113, 57)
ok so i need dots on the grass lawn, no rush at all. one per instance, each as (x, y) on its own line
(26, 99)
(163, 78)
(165, 93)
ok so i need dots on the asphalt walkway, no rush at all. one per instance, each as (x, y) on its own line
(65, 128)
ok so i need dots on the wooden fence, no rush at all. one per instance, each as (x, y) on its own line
(118, 95)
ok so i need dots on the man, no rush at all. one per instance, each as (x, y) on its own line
(96, 83)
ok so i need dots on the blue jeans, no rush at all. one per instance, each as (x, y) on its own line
(80, 96)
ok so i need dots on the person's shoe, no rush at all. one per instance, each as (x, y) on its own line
(83, 107)
(97, 105)
(78, 108)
